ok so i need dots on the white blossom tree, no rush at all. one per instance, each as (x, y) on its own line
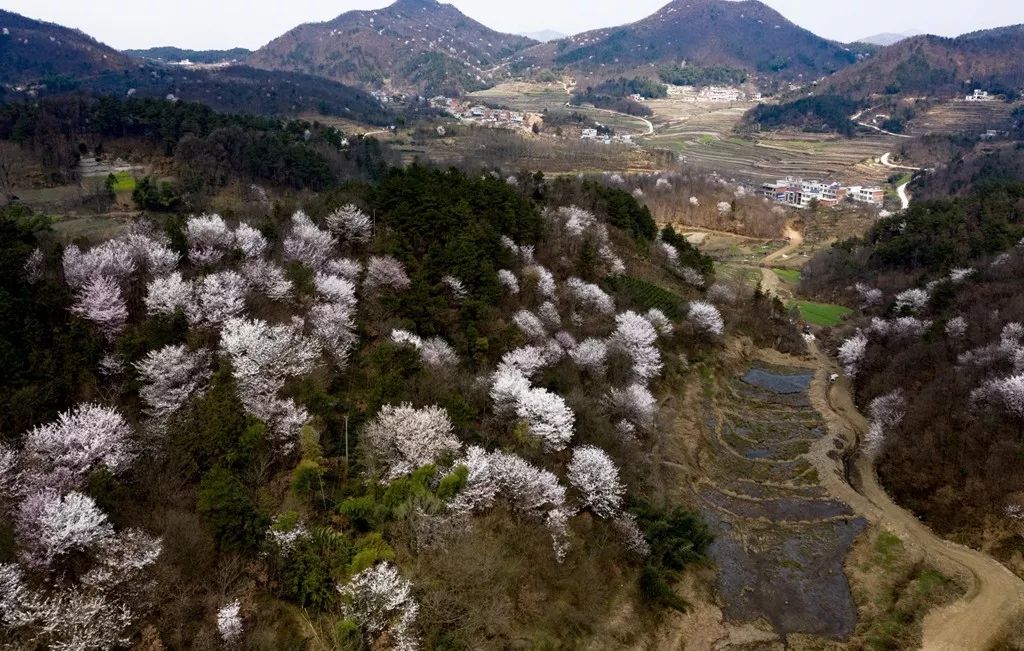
(706, 318)
(308, 244)
(885, 412)
(590, 296)
(229, 622)
(336, 289)
(508, 385)
(530, 325)
(912, 300)
(262, 358)
(333, 324)
(548, 417)
(385, 272)
(596, 477)
(268, 279)
(250, 241)
(576, 221)
(218, 298)
(209, 238)
(852, 352)
(34, 266)
(109, 260)
(170, 377)
(660, 322)
(61, 454)
(381, 602)
(869, 296)
(542, 279)
(635, 336)
(102, 302)
(50, 525)
(635, 403)
(402, 439)
(1009, 392)
(351, 224)
(169, 293)
(456, 288)
(591, 355)
(508, 281)
(526, 489)
(956, 328)
(345, 267)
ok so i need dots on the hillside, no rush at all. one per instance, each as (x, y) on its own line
(413, 45)
(886, 38)
(171, 54)
(54, 60)
(31, 50)
(748, 35)
(937, 66)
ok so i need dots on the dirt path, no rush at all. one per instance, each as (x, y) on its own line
(796, 240)
(995, 596)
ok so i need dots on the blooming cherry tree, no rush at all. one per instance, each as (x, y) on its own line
(403, 438)
(250, 241)
(169, 293)
(706, 318)
(308, 244)
(548, 417)
(591, 355)
(530, 325)
(852, 352)
(634, 403)
(508, 281)
(61, 454)
(381, 601)
(590, 296)
(351, 224)
(229, 622)
(50, 525)
(209, 238)
(218, 298)
(170, 377)
(102, 302)
(635, 336)
(886, 412)
(596, 477)
(385, 272)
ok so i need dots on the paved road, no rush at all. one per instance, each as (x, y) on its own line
(902, 189)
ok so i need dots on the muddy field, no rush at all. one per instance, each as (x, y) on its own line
(781, 541)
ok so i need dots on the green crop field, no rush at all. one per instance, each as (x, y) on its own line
(825, 315)
(650, 295)
(123, 182)
(791, 276)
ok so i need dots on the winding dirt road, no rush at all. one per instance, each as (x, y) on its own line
(994, 602)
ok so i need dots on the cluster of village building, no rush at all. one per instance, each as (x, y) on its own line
(483, 114)
(799, 193)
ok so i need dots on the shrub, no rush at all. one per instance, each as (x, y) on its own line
(226, 507)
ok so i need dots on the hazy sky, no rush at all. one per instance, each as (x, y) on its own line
(216, 24)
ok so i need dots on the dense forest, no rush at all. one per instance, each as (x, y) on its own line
(208, 149)
(691, 75)
(614, 94)
(818, 114)
(408, 417)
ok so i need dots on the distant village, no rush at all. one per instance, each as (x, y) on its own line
(479, 114)
(798, 193)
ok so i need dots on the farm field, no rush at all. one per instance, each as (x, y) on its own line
(824, 315)
(963, 117)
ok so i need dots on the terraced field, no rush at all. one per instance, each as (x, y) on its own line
(781, 540)
(964, 117)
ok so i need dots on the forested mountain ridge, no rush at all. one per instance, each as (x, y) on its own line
(46, 59)
(748, 35)
(937, 66)
(412, 45)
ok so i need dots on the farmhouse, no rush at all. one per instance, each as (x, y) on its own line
(799, 193)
